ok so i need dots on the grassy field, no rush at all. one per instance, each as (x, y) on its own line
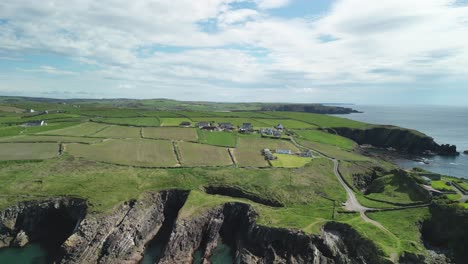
(238, 121)
(320, 120)
(289, 161)
(174, 133)
(194, 154)
(217, 138)
(333, 151)
(170, 121)
(248, 152)
(28, 151)
(6, 108)
(441, 186)
(85, 129)
(132, 152)
(287, 123)
(138, 121)
(395, 188)
(118, 132)
(326, 138)
(39, 138)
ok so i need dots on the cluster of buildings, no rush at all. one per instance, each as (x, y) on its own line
(268, 154)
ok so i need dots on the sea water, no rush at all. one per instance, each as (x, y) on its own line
(446, 124)
(30, 254)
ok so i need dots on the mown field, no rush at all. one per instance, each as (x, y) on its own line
(131, 152)
(118, 132)
(194, 154)
(28, 151)
(172, 133)
(81, 130)
(217, 138)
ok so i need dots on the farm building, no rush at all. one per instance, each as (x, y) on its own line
(36, 123)
(226, 126)
(30, 111)
(279, 127)
(307, 154)
(185, 124)
(283, 151)
(268, 155)
(203, 124)
(246, 127)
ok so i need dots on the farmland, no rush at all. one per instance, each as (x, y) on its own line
(118, 132)
(132, 152)
(43, 138)
(194, 154)
(173, 133)
(289, 161)
(225, 139)
(248, 152)
(28, 151)
(138, 121)
(85, 129)
(173, 121)
(326, 138)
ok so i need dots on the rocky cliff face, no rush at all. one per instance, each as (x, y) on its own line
(52, 220)
(122, 235)
(401, 139)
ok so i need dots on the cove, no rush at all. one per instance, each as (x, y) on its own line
(222, 254)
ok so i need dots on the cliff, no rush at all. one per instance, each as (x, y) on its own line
(403, 140)
(122, 235)
(308, 108)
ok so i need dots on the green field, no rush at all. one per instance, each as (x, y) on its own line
(217, 138)
(287, 123)
(28, 151)
(39, 138)
(441, 186)
(257, 123)
(248, 152)
(194, 154)
(85, 129)
(174, 133)
(289, 161)
(132, 152)
(168, 121)
(118, 132)
(138, 121)
(326, 138)
(5, 108)
(320, 120)
(333, 151)
(396, 189)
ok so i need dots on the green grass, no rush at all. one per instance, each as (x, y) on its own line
(173, 133)
(326, 138)
(169, 121)
(85, 129)
(406, 229)
(396, 189)
(28, 151)
(333, 151)
(248, 152)
(217, 138)
(6, 108)
(139, 121)
(440, 185)
(39, 138)
(194, 154)
(289, 161)
(287, 123)
(132, 152)
(118, 132)
(320, 120)
(237, 121)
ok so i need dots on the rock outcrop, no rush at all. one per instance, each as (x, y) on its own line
(403, 140)
(234, 224)
(465, 152)
(122, 235)
(51, 220)
(309, 108)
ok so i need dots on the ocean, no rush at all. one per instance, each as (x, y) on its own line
(446, 124)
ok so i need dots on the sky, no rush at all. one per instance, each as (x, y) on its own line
(303, 51)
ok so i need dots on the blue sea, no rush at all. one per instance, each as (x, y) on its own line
(446, 124)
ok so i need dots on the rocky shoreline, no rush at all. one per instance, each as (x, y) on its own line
(122, 235)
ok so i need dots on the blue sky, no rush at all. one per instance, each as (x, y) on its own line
(354, 51)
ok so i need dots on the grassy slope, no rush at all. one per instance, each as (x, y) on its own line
(289, 161)
(326, 138)
(140, 121)
(28, 151)
(174, 133)
(226, 139)
(194, 154)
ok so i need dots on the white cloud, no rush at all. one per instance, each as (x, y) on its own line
(178, 46)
